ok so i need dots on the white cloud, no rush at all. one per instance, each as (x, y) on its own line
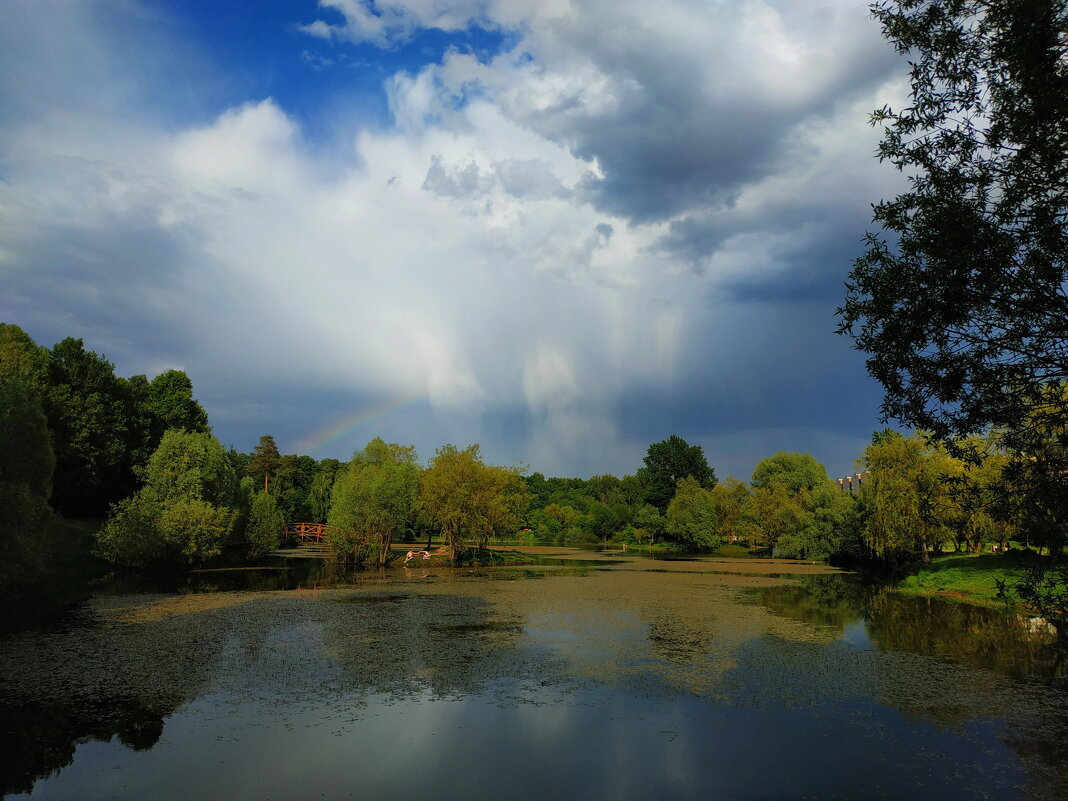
(495, 249)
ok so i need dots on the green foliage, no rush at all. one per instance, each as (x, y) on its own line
(799, 511)
(961, 302)
(92, 419)
(192, 530)
(184, 512)
(649, 521)
(26, 465)
(374, 499)
(824, 526)
(468, 499)
(906, 505)
(171, 405)
(265, 459)
(691, 516)
(319, 494)
(1043, 588)
(792, 471)
(25, 445)
(131, 536)
(669, 461)
(266, 525)
(730, 498)
(22, 359)
(502, 497)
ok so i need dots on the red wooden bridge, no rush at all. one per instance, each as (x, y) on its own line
(309, 532)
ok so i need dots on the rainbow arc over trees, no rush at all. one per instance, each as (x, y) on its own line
(352, 421)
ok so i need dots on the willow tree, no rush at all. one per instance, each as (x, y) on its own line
(691, 516)
(468, 499)
(907, 502)
(374, 499)
(502, 499)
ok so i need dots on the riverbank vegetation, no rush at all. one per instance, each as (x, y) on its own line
(190, 499)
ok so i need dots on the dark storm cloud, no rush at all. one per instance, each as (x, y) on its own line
(633, 223)
(688, 124)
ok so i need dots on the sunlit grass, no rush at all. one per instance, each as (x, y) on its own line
(973, 577)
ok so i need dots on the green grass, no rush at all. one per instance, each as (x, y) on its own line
(971, 577)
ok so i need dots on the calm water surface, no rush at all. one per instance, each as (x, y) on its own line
(614, 679)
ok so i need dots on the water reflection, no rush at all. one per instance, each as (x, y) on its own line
(617, 681)
(977, 637)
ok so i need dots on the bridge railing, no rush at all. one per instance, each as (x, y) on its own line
(308, 532)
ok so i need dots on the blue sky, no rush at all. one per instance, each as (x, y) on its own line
(563, 229)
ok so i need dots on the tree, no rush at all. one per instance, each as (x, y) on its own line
(172, 405)
(668, 461)
(802, 513)
(792, 471)
(904, 502)
(504, 496)
(649, 520)
(26, 467)
(375, 499)
(465, 497)
(265, 459)
(185, 510)
(21, 358)
(730, 498)
(776, 514)
(319, 493)
(691, 516)
(266, 525)
(91, 416)
(449, 492)
(960, 301)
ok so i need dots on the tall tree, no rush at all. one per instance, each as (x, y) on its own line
(265, 460)
(802, 513)
(449, 493)
(906, 503)
(92, 419)
(792, 471)
(375, 499)
(691, 516)
(669, 461)
(172, 405)
(26, 467)
(185, 510)
(467, 498)
(730, 498)
(266, 525)
(21, 358)
(960, 300)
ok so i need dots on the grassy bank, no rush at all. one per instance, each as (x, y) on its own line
(969, 577)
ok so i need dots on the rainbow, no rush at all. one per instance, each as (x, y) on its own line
(353, 421)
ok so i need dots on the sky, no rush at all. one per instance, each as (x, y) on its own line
(562, 229)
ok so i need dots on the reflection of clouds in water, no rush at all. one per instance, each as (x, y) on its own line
(455, 683)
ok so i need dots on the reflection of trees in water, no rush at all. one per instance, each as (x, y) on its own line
(89, 681)
(977, 637)
(972, 636)
(105, 679)
(831, 601)
(39, 738)
(971, 644)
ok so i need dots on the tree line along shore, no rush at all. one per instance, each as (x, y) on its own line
(80, 442)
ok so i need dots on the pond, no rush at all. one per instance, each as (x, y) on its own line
(582, 676)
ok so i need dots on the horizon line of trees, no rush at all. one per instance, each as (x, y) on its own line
(142, 452)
